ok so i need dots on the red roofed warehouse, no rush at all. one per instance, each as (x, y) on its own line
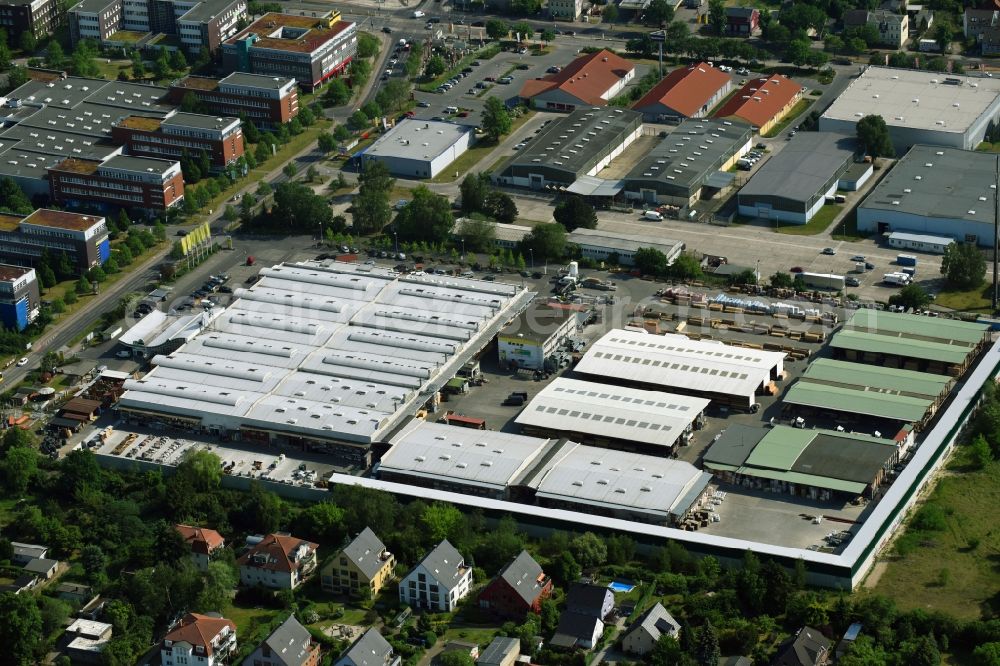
(688, 92)
(762, 102)
(203, 542)
(590, 80)
(199, 639)
(278, 560)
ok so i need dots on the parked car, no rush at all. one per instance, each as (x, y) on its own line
(858, 257)
(852, 281)
(829, 251)
(22, 362)
(796, 269)
(424, 105)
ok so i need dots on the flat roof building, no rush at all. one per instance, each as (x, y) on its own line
(686, 92)
(913, 342)
(328, 355)
(938, 191)
(689, 164)
(608, 245)
(762, 102)
(919, 107)
(632, 486)
(581, 144)
(704, 368)
(84, 238)
(181, 134)
(816, 464)
(793, 184)
(612, 416)
(420, 148)
(590, 80)
(530, 339)
(142, 184)
(311, 50)
(267, 101)
(19, 296)
(39, 17)
(920, 242)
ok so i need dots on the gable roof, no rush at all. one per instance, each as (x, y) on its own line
(525, 577)
(656, 621)
(497, 650)
(741, 12)
(200, 539)
(290, 643)
(365, 551)
(588, 598)
(369, 650)
(40, 565)
(760, 99)
(445, 563)
(586, 78)
(805, 649)
(196, 629)
(687, 89)
(274, 553)
(574, 627)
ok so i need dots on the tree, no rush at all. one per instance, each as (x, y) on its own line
(685, 267)
(322, 522)
(707, 651)
(13, 198)
(478, 234)
(337, 93)
(94, 561)
(659, 12)
(177, 61)
(298, 208)
(54, 614)
(797, 52)
(501, 206)
(963, 266)
(427, 217)
(341, 133)
(666, 651)
(920, 651)
(455, 658)
(393, 95)
(548, 35)
(474, 188)
(609, 14)
(290, 170)
(717, 16)
(565, 569)
(987, 654)
(20, 628)
(201, 470)
(370, 209)
(573, 212)
(17, 76)
(650, 261)
(589, 550)
(781, 280)
(873, 135)
(496, 119)
(944, 34)
(435, 67)
(911, 296)
(18, 467)
(28, 42)
(83, 286)
(358, 120)
(54, 55)
(219, 581)
(59, 305)
(327, 143)
(46, 275)
(982, 454)
(497, 29)
(441, 520)
(546, 241)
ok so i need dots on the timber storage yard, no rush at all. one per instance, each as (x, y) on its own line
(331, 373)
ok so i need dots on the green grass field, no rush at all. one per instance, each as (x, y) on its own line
(817, 225)
(955, 569)
(975, 300)
(797, 110)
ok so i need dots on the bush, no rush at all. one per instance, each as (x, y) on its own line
(930, 518)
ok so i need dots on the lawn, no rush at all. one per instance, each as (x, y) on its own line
(847, 230)
(816, 225)
(248, 619)
(987, 147)
(797, 110)
(954, 569)
(974, 300)
(472, 156)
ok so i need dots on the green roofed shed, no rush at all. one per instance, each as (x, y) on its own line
(894, 344)
(904, 408)
(918, 326)
(847, 374)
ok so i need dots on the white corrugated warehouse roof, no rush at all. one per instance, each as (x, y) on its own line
(485, 458)
(648, 417)
(618, 480)
(677, 361)
(332, 350)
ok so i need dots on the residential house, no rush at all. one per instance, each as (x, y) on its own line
(85, 640)
(590, 80)
(989, 42)
(593, 600)
(687, 92)
(42, 567)
(647, 629)
(279, 561)
(567, 10)
(75, 593)
(202, 640)
(807, 648)
(369, 650)
(290, 644)
(25, 552)
(23, 583)
(203, 542)
(977, 21)
(893, 29)
(502, 651)
(742, 21)
(438, 582)
(365, 563)
(577, 630)
(518, 589)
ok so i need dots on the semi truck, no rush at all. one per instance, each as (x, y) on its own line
(901, 279)
(823, 280)
(906, 260)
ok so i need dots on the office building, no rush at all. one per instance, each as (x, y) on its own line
(537, 332)
(267, 101)
(310, 50)
(618, 248)
(39, 17)
(181, 134)
(143, 185)
(83, 238)
(19, 296)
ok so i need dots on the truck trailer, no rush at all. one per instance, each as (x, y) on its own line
(906, 260)
(823, 281)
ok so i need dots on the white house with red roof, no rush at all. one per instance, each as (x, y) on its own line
(590, 80)
(203, 542)
(279, 561)
(205, 640)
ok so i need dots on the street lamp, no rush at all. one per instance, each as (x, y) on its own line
(395, 235)
(531, 253)
(463, 249)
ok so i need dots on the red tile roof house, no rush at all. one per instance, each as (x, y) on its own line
(590, 80)
(518, 589)
(688, 92)
(198, 639)
(279, 561)
(204, 543)
(762, 102)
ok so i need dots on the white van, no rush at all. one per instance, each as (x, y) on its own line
(653, 215)
(418, 14)
(451, 109)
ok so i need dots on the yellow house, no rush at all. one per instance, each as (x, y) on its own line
(364, 563)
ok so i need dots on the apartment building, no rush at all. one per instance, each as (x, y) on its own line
(438, 582)
(84, 238)
(171, 137)
(138, 184)
(39, 17)
(278, 561)
(195, 24)
(199, 639)
(19, 296)
(204, 544)
(310, 50)
(365, 563)
(268, 101)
